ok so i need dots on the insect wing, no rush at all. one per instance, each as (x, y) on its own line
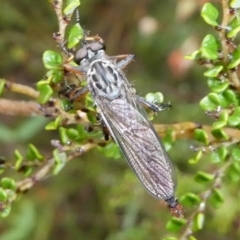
(133, 132)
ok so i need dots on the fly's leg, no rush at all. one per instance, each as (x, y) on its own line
(105, 131)
(124, 60)
(155, 107)
(78, 94)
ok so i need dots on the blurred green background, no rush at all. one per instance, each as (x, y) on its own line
(96, 197)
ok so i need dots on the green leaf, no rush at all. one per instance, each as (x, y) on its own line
(154, 97)
(8, 183)
(209, 47)
(6, 211)
(216, 199)
(195, 55)
(203, 177)
(33, 153)
(209, 14)
(55, 124)
(45, 93)
(234, 119)
(219, 124)
(72, 133)
(168, 139)
(198, 222)
(210, 102)
(54, 76)
(3, 195)
(236, 153)
(71, 5)
(233, 172)
(230, 97)
(63, 135)
(234, 27)
(2, 85)
(111, 151)
(217, 86)
(75, 35)
(235, 61)
(196, 159)
(190, 199)
(60, 159)
(219, 133)
(19, 158)
(175, 224)
(201, 136)
(219, 155)
(52, 60)
(213, 72)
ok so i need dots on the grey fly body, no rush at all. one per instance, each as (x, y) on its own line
(122, 112)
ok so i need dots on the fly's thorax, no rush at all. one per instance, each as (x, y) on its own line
(105, 79)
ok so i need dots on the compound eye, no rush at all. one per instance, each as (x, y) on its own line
(80, 55)
(96, 46)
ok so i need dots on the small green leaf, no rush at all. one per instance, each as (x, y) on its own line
(63, 135)
(219, 133)
(2, 85)
(198, 222)
(216, 199)
(230, 97)
(195, 159)
(168, 139)
(154, 97)
(175, 224)
(210, 102)
(236, 154)
(209, 47)
(219, 155)
(217, 86)
(209, 14)
(75, 35)
(234, 27)
(45, 93)
(234, 119)
(190, 199)
(203, 177)
(72, 133)
(219, 124)
(33, 153)
(233, 172)
(55, 124)
(3, 195)
(71, 5)
(235, 61)
(111, 151)
(201, 136)
(213, 72)
(60, 159)
(52, 60)
(8, 183)
(6, 211)
(195, 55)
(54, 76)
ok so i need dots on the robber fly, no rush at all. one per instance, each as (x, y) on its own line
(122, 112)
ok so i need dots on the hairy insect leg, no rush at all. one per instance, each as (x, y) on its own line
(105, 130)
(156, 107)
(78, 93)
(124, 60)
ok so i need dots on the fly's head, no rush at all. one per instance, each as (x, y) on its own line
(93, 48)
